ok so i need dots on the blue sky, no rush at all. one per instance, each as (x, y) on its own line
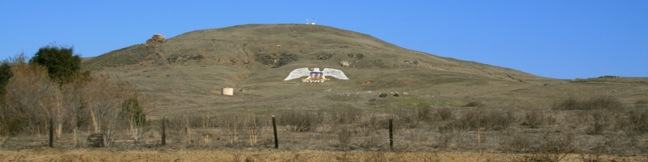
(552, 38)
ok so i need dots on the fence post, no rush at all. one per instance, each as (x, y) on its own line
(391, 135)
(274, 129)
(51, 133)
(163, 131)
(479, 140)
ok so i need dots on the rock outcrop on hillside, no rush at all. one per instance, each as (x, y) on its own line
(155, 40)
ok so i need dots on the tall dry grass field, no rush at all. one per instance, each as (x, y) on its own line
(272, 155)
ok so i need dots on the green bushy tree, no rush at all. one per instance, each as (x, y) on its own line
(61, 63)
(5, 74)
(133, 112)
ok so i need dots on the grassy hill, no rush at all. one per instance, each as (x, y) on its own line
(185, 74)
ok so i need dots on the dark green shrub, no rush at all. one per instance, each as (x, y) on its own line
(5, 74)
(133, 112)
(61, 63)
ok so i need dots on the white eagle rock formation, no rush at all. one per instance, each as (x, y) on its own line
(316, 76)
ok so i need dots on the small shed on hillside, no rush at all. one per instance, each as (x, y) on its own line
(227, 91)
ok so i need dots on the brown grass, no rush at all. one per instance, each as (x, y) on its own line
(488, 119)
(269, 155)
(599, 102)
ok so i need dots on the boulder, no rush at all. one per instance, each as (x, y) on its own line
(96, 140)
(345, 63)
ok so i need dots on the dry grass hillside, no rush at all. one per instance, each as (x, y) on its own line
(185, 73)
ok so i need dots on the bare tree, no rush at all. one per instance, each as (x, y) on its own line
(103, 99)
(97, 102)
(32, 98)
(72, 102)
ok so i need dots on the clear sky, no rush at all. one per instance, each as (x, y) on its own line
(552, 38)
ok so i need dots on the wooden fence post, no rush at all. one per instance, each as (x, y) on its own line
(51, 133)
(479, 140)
(163, 131)
(274, 129)
(391, 135)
